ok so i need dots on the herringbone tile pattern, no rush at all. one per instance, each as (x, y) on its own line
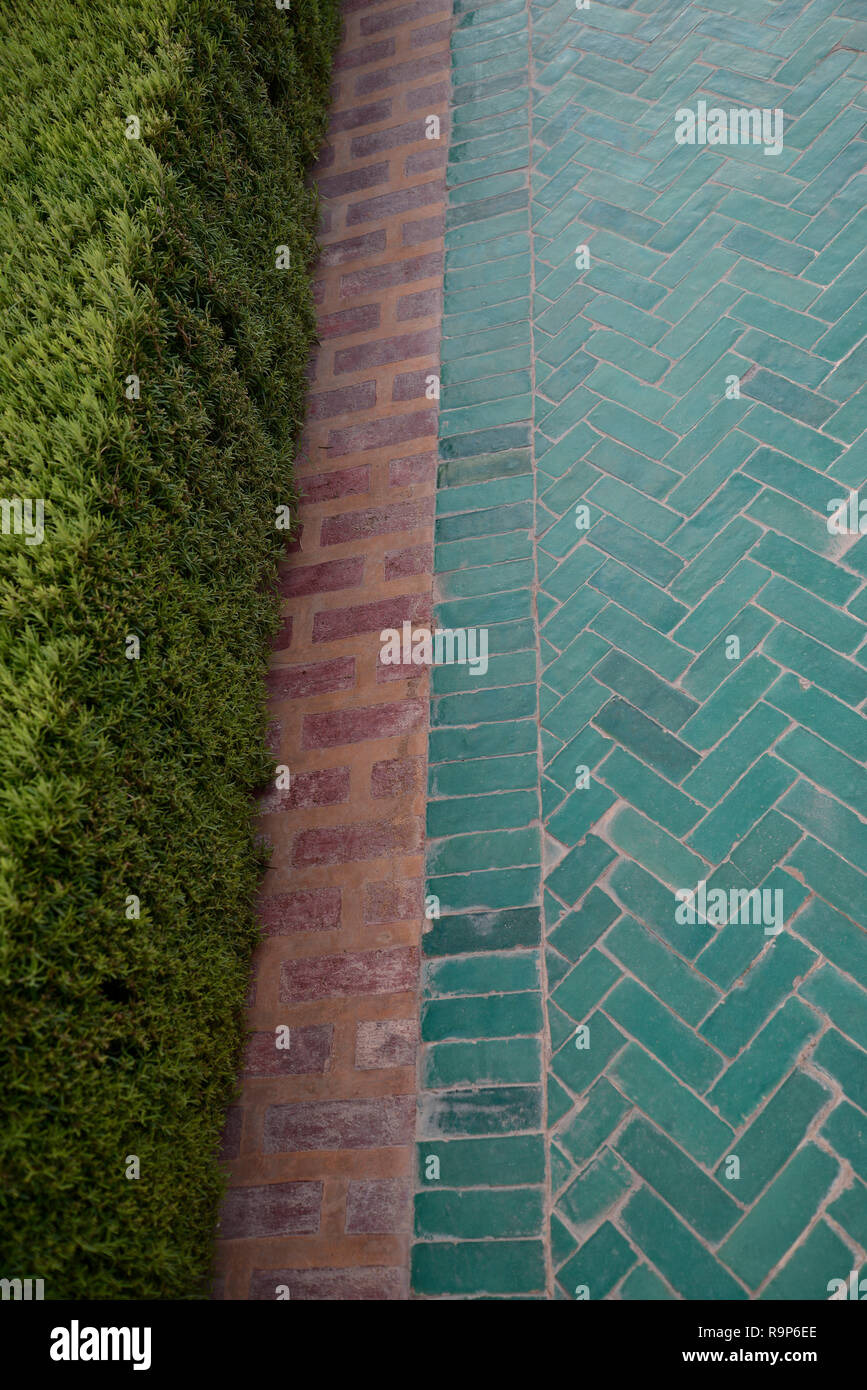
(654, 388)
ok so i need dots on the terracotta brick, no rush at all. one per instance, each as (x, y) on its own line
(323, 578)
(377, 434)
(428, 229)
(273, 736)
(420, 305)
(376, 354)
(425, 161)
(278, 1209)
(376, 141)
(376, 1123)
(399, 564)
(340, 482)
(402, 15)
(396, 776)
(379, 1205)
(369, 176)
(341, 401)
(357, 973)
(356, 320)
(380, 277)
(427, 97)
(283, 635)
(393, 901)
(230, 1138)
(411, 386)
(375, 521)
(379, 1283)
(340, 907)
(309, 1051)
(391, 204)
(360, 115)
(384, 674)
(310, 909)
(340, 726)
(343, 844)
(359, 57)
(327, 787)
(330, 624)
(431, 33)
(420, 468)
(386, 1042)
(312, 678)
(353, 248)
(396, 74)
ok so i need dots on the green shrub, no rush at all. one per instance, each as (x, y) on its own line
(118, 777)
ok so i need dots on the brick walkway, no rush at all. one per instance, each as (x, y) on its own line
(653, 386)
(320, 1146)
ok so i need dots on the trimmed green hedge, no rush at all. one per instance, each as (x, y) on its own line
(119, 777)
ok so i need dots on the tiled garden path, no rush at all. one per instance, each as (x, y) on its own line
(597, 1164)
(638, 443)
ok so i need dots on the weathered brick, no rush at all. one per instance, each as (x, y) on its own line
(341, 844)
(376, 354)
(419, 468)
(359, 319)
(393, 901)
(309, 909)
(410, 386)
(339, 482)
(355, 725)
(368, 53)
(369, 176)
(378, 1205)
(353, 248)
(386, 1042)
(340, 402)
(309, 1050)
(312, 678)
(426, 229)
(424, 162)
(431, 33)
(400, 564)
(396, 74)
(396, 776)
(401, 15)
(353, 973)
(356, 116)
(377, 434)
(230, 1137)
(328, 786)
(323, 578)
(420, 305)
(379, 1283)
(381, 277)
(332, 623)
(377, 141)
(426, 97)
(392, 205)
(375, 521)
(277, 1209)
(377, 1123)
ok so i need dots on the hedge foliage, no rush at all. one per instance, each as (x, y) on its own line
(120, 778)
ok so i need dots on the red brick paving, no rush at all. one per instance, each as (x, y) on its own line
(319, 1145)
